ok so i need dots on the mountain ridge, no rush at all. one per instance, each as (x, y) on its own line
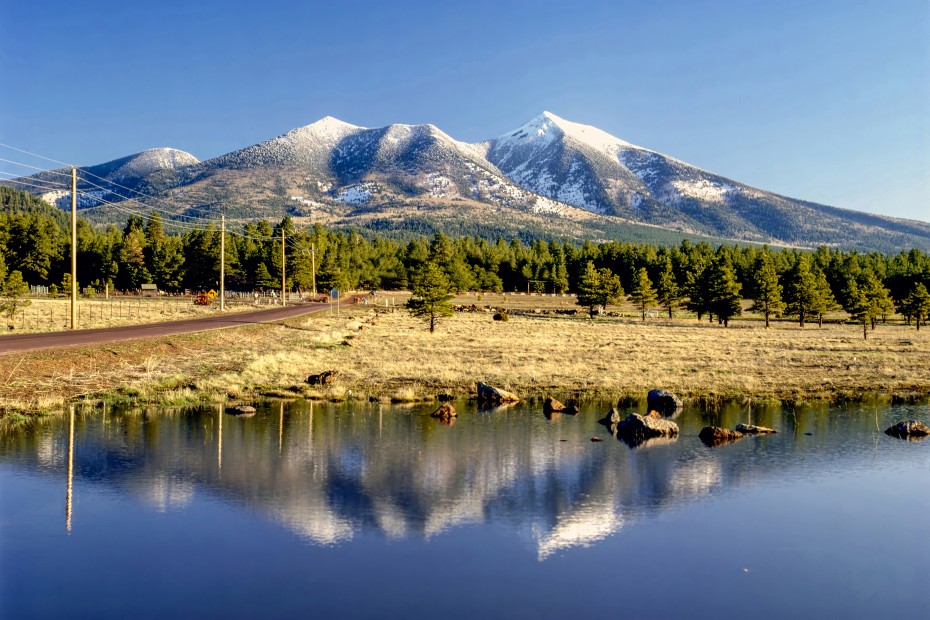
(558, 174)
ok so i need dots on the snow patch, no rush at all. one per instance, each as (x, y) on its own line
(356, 195)
(702, 189)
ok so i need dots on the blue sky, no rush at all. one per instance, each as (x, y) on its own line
(825, 101)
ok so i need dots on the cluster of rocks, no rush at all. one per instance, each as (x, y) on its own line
(908, 429)
(636, 430)
(717, 436)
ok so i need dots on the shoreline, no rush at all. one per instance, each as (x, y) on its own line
(388, 356)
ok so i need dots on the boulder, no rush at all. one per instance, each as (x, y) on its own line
(663, 401)
(241, 410)
(552, 405)
(752, 429)
(571, 408)
(324, 378)
(908, 429)
(636, 428)
(612, 417)
(445, 412)
(715, 435)
(495, 396)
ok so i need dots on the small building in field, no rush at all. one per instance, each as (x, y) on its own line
(150, 290)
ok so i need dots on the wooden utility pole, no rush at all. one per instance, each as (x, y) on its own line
(222, 263)
(73, 247)
(283, 279)
(313, 266)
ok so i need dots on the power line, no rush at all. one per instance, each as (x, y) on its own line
(35, 155)
(37, 183)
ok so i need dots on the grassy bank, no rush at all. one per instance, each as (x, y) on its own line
(391, 356)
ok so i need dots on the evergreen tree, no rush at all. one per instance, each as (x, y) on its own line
(263, 280)
(643, 294)
(824, 301)
(724, 290)
(13, 294)
(668, 292)
(597, 288)
(767, 300)
(859, 307)
(802, 293)
(917, 305)
(430, 295)
(698, 289)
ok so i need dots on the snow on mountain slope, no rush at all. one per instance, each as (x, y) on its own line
(309, 147)
(152, 161)
(548, 166)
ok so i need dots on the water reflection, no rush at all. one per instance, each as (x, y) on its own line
(331, 472)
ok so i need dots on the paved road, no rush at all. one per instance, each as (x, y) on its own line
(49, 340)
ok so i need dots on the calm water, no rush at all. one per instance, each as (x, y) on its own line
(326, 510)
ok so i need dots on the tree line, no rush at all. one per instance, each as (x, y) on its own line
(709, 281)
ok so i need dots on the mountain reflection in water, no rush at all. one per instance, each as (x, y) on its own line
(330, 472)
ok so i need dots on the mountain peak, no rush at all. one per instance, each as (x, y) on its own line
(331, 122)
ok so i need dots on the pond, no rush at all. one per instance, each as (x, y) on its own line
(364, 510)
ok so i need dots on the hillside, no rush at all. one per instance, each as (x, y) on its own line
(548, 178)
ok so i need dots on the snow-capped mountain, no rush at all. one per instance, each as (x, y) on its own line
(591, 169)
(549, 177)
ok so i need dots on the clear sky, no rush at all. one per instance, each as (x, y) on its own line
(822, 100)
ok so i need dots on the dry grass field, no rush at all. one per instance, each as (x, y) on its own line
(391, 356)
(48, 315)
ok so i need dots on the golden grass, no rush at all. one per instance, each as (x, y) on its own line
(47, 315)
(392, 356)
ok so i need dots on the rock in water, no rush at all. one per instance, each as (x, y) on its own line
(241, 410)
(715, 436)
(663, 401)
(908, 429)
(752, 429)
(444, 412)
(636, 428)
(552, 405)
(571, 408)
(496, 396)
(612, 417)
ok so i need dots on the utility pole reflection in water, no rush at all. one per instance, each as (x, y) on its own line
(219, 439)
(70, 467)
(280, 426)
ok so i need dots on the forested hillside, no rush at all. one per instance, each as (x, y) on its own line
(34, 241)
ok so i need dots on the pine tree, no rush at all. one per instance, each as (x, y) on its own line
(13, 294)
(802, 295)
(668, 292)
(859, 307)
(597, 288)
(431, 294)
(877, 295)
(643, 294)
(825, 302)
(696, 286)
(767, 299)
(917, 304)
(724, 290)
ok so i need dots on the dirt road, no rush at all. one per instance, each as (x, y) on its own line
(30, 342)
